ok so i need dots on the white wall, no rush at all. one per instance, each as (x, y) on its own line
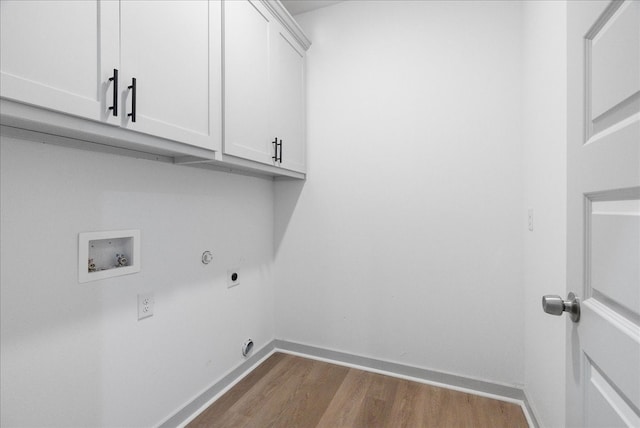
(405, 244)
(544, 143)
(75, 354)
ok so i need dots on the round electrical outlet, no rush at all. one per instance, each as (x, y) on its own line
(233, 277)
(247, 347)
(207, 257)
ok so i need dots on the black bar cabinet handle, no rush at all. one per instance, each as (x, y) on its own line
(132, 115)
(280, 159)
(114, 79)
(275, 147)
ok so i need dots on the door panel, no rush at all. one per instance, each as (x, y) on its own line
(603, 371)
(60, 55)
(166, 47)
(614, 61)
(609, 342)
(615, 255)
(605, 408)
(288, 88)
(246, 77)
(610, 328)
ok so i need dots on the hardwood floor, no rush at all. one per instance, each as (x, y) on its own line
(289, 391)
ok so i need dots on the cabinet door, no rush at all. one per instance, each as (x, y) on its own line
(246, 77)
(60, 55)
(287, 116)
(172, 49)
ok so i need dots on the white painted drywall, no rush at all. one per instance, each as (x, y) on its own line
(296, 7)
(544, 144)
(405, 243)
(75, 354)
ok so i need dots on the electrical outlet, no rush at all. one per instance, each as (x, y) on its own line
(531, 219)
(145, 305)
(233, 277)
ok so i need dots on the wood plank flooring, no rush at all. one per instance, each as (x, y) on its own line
(289, 391)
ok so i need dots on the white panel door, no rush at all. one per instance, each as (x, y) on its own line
(246, 81)
(287, 84)
(603, 361)
(60, 55)
(172, 49)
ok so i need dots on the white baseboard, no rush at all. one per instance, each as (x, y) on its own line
(204, 399)
(445, 380)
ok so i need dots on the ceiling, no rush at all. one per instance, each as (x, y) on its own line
(296, 7)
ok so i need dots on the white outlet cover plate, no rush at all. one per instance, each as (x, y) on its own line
(145, 305)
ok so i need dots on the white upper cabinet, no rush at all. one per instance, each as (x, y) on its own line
(172, 49)
(264, 101)
(154, 68)
(60, 55)
(287, 112)
(247, 25)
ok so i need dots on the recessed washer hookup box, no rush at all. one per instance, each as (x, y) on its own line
(107, 254)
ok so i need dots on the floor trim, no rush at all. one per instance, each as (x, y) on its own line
(530, 413)
(203, 400)
(433, 377)
(444, 380)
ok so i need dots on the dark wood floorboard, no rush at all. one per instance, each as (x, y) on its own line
(288, 391)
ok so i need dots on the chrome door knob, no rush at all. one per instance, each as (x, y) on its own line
(555, 305)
